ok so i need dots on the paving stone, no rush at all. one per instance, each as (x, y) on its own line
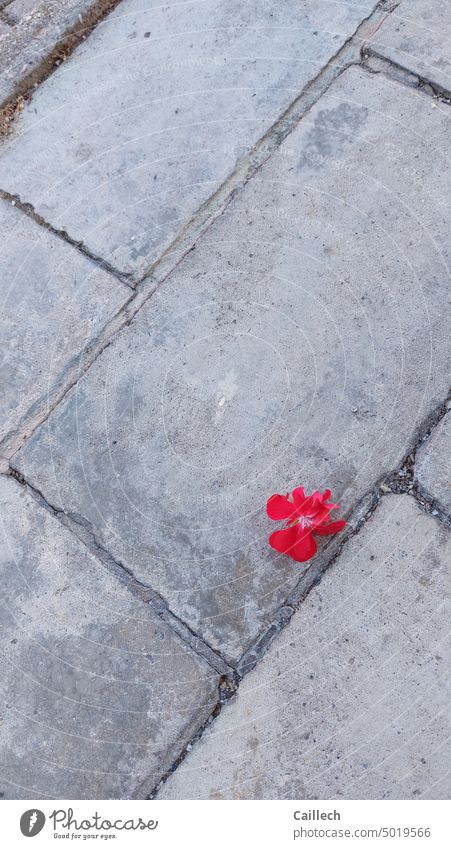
(54, 301)
(303, 341)
(433, 464)
(4, 30)
(352, 700)
(180, 92)
(40, 32)
(416, 36)
(18, 9)
(98, 696)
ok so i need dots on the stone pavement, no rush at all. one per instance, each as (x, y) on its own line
(433, 466)
(416, 37)
(104, 690)
(180, 92)
(37, 35)
(352, 701)
(225, 272)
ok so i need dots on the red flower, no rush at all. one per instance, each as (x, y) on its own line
(306, 516)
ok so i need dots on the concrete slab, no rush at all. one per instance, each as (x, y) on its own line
(302, 341)
(4, 31)
(140, 126)
(352, 700)
(98, 696)
(54, 301)
(40, 32)
(416, 36)
(433, 464)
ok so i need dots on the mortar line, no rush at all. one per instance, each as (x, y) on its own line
(84, 532)
(274, 138)
(249, 164)
(186, 240)
(358, 518)
(232, 675)
(67, 42)
(347, 55)
(361, 513)
(400, 73)
(214, 206)
(402, 480)
(29, 210)
(226, 691)
(72, 372)
(202, 222)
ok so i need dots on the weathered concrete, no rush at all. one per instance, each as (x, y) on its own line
(181, 91)
(38, 34)
(416, 36)
(98, 695)
(433, 464)
(53, 302)
(302, 341)
(352, 701)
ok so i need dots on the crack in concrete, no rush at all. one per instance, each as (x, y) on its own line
(190, 234)
(347, 55)
(183, 244)
(363, 511)
(65, 45)
(402, 479)
(29, 210)
(83, 530)
(373, 63)
(309, 579)
(227, 689)
(71, 374)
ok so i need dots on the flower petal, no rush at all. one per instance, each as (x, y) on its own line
(279, 507)
(284, 540)
(320, 516)
(330, 528)
(304, 548)
(298, 495)
(296, 543)
(304, 508)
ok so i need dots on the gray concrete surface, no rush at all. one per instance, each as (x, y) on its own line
(433, 464)
(37, 35)
(302, 341)
(54, 301)
(97, 694)
(180, 92)
(303, 338)
(352, 701)
(416, 36)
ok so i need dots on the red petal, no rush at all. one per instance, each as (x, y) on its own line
(297, 544)
(284, 541)
(330, 528)
(298, 495)
(306, 507)
(320, 516)
(304, 548)
(279, 507)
